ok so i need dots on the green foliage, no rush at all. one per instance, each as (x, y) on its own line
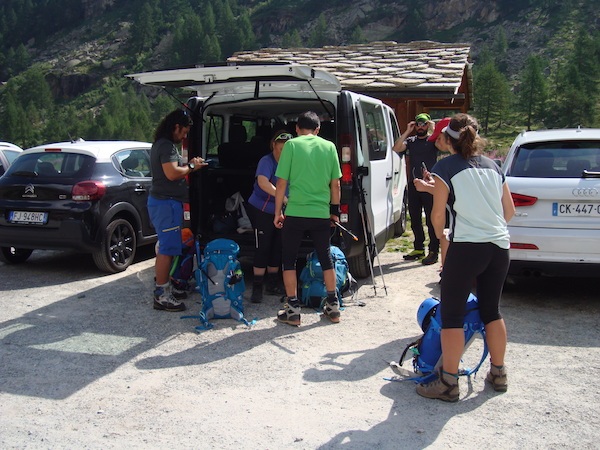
(492, 95)
(291, 40)
(319, 36)
(357, 36)
(533, 91)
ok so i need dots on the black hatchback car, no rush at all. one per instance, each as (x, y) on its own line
(88, 196)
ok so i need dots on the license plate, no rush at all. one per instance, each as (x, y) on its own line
(29, 217)
(576, 209)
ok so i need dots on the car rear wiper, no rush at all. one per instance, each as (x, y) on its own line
(25, 173)
(590, 174)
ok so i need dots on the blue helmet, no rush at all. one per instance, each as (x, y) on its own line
(427, 309)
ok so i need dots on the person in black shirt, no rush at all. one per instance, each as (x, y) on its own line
(421, 155)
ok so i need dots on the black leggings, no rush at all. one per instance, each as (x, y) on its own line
(417, 202)
(267, 239)
(465, 263)
(293, 232)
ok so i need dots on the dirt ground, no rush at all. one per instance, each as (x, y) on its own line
(87, 363)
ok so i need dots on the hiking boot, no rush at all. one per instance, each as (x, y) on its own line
(165, 301)
(290, 313)
(257, 293)
(414, 255)
(274, 285)
(178, 290)
(444, 387)
(331, 309)
(497, 378)
(430, 259)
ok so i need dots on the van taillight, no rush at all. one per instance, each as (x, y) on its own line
(346, 160)
(344, 208)
(523, 200)
(184, 149)
(88, 190)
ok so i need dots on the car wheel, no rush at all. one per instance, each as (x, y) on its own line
(360, 264)
(118, 247)
(400, 225)
(12, 255)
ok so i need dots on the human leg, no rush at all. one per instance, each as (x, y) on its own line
(291, 236)
(434, 242)
(167, 218)
(263, 233)
(415, 209)
(320, 234)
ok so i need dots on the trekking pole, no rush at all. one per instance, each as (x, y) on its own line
(367, 245)
(368, 220)
(350, 233)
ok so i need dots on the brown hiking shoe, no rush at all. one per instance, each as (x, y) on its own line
(290, 313)
(332, 310)
(497, 378)
(444, 387)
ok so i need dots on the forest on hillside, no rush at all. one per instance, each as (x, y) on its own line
(557, 85)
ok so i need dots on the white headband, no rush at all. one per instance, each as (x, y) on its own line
(451, 132)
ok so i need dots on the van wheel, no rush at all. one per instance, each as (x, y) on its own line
(118, 247)
(12, 255)
(359, 265)
(400, 225)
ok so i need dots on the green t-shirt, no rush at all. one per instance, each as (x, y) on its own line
(309, 164)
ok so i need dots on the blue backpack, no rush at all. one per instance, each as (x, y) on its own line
(427, 350)
(312, 285)
(220, 281)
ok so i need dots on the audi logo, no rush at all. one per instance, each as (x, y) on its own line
(585, 192)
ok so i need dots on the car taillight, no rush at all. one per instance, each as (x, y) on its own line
(523, 200)
(88, 190)
(521, 246)
(346, 158)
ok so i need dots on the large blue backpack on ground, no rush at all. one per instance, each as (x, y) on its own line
(312, 285)
(427, 350)
(220, 281)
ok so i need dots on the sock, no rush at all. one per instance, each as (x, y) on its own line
(498, 367)
(258, 279)
(331, 296)
(455, 375)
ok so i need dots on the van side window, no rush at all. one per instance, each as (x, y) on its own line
(376, 133)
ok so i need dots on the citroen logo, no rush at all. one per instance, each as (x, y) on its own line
(585, 192)
(29, 191)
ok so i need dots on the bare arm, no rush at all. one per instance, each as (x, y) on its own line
(334, 187)
(438, 212)
(508, 205)
(400, 145)
(174, 171)
(279, 195)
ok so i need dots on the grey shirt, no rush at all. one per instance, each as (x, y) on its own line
(164, 151)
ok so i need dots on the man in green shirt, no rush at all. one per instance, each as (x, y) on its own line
(310, 166)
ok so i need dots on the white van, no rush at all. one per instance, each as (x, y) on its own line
(237, 108)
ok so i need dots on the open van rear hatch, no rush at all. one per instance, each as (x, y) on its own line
(256, 79)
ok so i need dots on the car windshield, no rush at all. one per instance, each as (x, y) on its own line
(561, 159)
(52, 165)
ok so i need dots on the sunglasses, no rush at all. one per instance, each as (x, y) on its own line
(284, 137)
(422, 124)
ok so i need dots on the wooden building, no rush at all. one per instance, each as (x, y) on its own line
(414, 77)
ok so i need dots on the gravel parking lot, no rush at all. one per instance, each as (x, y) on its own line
(87, 363)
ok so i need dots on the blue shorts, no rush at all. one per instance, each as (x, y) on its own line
(167, 218)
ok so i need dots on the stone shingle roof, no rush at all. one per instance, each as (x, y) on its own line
(380, 66)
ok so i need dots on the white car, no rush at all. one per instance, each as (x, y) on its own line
(554, 177)
(8, 153)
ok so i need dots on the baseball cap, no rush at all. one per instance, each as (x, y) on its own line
(439, 127)
(423, 117)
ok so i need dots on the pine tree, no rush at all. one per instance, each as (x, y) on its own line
(291, 40)
(143, 30)
(319, 37)
(492, 94)
(533, 90)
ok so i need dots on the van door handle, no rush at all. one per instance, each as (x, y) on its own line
(389, 177)
(139, 188)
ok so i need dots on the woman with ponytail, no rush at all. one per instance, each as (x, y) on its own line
(473, 189)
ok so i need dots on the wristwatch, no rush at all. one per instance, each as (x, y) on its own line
(192, 166)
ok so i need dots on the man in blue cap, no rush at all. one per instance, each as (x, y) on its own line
(421, 154)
